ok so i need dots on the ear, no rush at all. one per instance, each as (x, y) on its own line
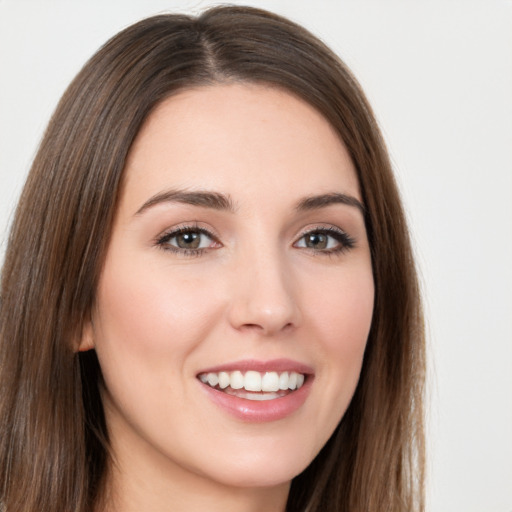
(87, 338)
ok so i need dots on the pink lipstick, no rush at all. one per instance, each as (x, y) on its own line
(258, 391)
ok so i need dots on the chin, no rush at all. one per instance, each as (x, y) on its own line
(259, 470)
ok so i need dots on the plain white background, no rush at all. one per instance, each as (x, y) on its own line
(439, 75)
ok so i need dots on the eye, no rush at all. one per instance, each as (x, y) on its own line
(187, 240)
(329, 240)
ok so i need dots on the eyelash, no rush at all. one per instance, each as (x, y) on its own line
(345, 241)
(163, 241)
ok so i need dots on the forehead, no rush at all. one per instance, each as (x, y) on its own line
(237, 138)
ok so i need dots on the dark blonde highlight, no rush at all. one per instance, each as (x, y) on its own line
(54, 441)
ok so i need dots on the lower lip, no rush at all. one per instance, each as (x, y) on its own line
(260, 411)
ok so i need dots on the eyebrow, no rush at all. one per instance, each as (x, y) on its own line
(218, 201)
(206, 199)
(324, 200)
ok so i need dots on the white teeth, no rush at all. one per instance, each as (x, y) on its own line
(292, 381)
(283, 381)
(224, 380)
(268, 382)
(236, 380)
(213, 379)
(260, 397)
(252, 381)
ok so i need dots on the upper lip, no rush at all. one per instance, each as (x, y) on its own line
(272, 365)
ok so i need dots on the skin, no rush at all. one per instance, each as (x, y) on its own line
(256, 291)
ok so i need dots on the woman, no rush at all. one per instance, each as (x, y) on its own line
(208, 297)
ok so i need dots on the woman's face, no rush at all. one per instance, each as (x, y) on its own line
(238, 259)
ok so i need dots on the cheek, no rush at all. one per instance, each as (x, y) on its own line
(146, 309)
(342, 311)
(149, 319)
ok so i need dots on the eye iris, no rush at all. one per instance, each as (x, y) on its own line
(316, 241)
(189, 240)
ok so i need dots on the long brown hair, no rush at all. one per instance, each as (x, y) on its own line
(54, 442)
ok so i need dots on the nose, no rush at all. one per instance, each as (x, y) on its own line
(264, 296)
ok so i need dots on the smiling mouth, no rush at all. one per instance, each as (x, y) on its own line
(253, 385)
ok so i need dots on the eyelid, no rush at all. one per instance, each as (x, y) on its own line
(162, 239)
(346, 242)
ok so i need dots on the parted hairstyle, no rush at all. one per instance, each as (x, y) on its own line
(54, 446)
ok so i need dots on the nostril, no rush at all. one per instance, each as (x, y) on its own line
(266, 328)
